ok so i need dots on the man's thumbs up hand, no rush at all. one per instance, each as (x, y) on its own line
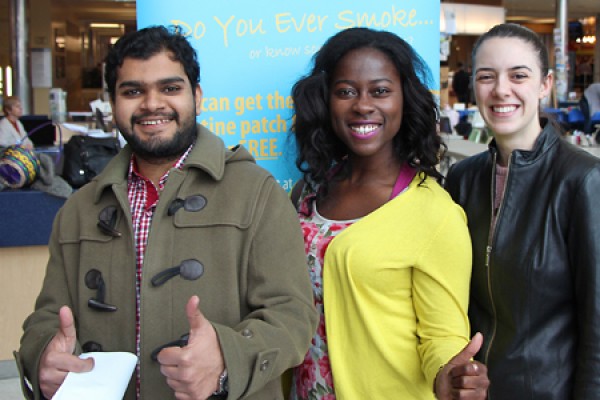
(57, 359)
(193, 371)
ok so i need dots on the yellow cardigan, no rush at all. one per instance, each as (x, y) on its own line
(396, 286)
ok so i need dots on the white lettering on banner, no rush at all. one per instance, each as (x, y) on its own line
(273, 52)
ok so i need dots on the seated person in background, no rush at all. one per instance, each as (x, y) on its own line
(590, 105)
(592, 94)
(461, 84)
(12, 131)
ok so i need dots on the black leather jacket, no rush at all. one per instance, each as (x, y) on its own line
(535, 289)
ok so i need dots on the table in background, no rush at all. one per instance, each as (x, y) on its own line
(460, 148)
(568, 103)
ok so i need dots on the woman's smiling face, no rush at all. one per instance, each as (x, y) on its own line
(508, 86)
(366, 102)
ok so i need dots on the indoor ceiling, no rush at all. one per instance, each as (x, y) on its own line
(516, 10)
(86, 11)
(546, 9)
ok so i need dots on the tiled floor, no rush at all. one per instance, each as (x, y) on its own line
(10, 389)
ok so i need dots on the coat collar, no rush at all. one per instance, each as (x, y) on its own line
(209, 155)
(546, 140)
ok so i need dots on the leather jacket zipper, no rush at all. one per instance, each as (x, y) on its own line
(488, 253)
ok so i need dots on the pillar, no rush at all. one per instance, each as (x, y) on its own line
(41, 40)
(561, 61)
(597, 51)
(21, 86)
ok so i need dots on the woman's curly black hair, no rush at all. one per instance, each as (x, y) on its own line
(319, 149)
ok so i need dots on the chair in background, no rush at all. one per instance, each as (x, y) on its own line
(558, 115)
(595, 126)
(595, 120)
(590, 120)
(40, 129)
(42, 132)
(575, 119)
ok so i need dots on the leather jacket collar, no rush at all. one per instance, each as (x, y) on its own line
(546, 140)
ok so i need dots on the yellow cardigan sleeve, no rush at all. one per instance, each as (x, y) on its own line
(441, 280)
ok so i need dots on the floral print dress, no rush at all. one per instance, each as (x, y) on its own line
(312, 380)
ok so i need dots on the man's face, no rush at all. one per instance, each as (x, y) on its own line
(155, 106)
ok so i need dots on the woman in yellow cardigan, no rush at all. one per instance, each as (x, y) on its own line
(388, 250)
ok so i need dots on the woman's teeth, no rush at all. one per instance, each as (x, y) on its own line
(364, 129)
(504, 109)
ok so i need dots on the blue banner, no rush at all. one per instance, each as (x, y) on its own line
(252, 52)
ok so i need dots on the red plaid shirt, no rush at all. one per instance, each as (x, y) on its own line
(143, 198)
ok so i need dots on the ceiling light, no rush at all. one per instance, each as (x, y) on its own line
(105, 25)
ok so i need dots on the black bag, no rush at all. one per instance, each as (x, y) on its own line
(86, 156)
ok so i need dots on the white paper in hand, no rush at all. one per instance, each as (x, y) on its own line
(107, 381)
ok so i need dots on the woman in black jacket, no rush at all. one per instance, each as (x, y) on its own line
(531, 203)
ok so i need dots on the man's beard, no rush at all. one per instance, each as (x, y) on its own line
(159, 150)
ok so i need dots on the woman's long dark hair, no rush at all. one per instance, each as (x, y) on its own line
(319, 149)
